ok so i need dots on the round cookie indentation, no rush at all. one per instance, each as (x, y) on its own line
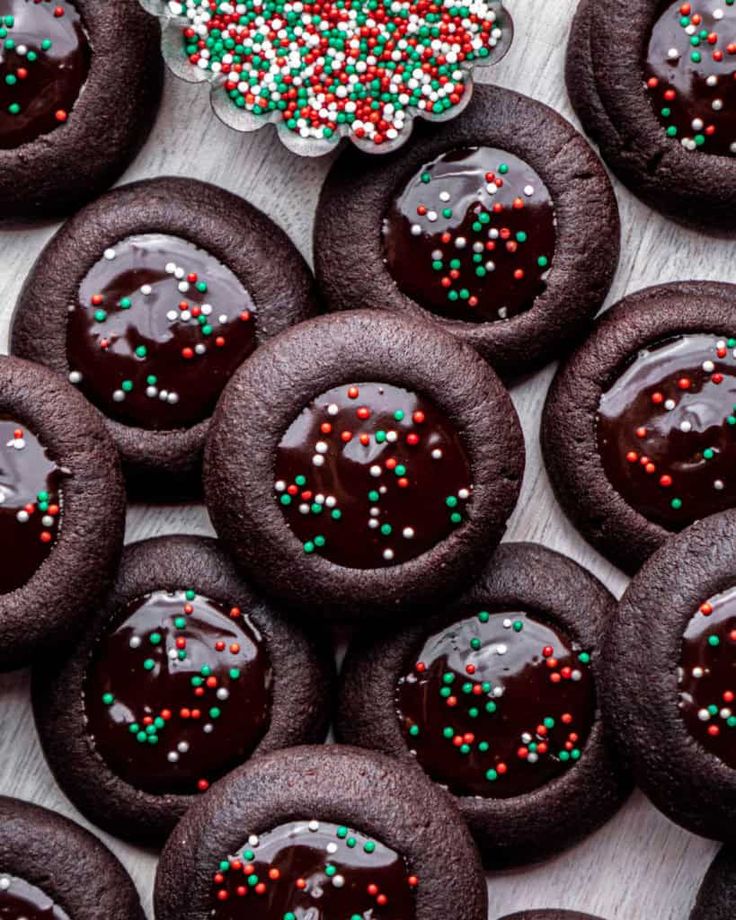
(19, 900)
(690, 73)
(44, 62)
(179, 693)
(30, 504)
(497, 704)
(314, 869)
(666, 429)
(372, 475)
(471, 235)
(159, 327)
(707, 676)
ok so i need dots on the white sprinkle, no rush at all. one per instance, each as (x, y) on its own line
(718, 485)
(172, 316)
(22, 517)
(135, 642)
(703, 715)
(528, 190)
(321, 447)
(408, 533)
(313, 826)
(109, 254)
(318, 460)
(388, 554)
(118, 396)
(146, 290)
(436, 454)
(182, 747)
(338, 881)
(332, 409)
(444, 196)
(75, 377)
(375, 470)
(501, 649)
(172, 757)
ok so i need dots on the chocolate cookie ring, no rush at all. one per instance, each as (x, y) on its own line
(655, 90)
(182, 646)
(324, 832)
(487, 230)
(637, 431)
(52, 868)
(62, 511)
(80, 85)
(148, 300)
(667, 677)
(717, 895)
(494, 698)
(383, 459)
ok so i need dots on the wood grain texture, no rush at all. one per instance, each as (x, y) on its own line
(639, 867)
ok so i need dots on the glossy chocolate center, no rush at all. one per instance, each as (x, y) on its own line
(179, 693)
(690, 73)
(20, 900)
(471, 236)
(707, 676)
(667, 430)
(312, 870)
(159, 329)
(44, 62)
(497, 705)
(30, 504)
(371, 475)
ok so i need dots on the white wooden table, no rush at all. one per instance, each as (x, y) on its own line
(639, 867)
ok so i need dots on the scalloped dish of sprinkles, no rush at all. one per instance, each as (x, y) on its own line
(372, 475)
(497, 704)
(690, 73)
(345, 67)
(313, 870)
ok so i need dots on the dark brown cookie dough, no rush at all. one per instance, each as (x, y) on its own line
(62, 511)
(550, 915)
(637, 431)
(53, 869)
(148, 300)
(502, 229)
(717, 895)
(667, 677)
(641, 77)
(333, 815)
(80, 83)
(495, 698)
(383, 459)
(182, 646)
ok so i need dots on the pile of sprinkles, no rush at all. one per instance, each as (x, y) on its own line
(707, 676)
(497, 704)
(342, 66)
(472, 234)
(159, 328)
(316, 870)
(178, 693)
(691, 74)
(371, 475)
(667, 429)
(30, 504)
